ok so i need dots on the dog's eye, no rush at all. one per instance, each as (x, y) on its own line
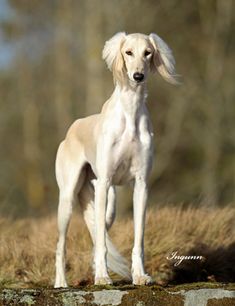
(129, 53)
(146, 53)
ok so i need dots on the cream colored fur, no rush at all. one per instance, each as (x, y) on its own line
(112, 148)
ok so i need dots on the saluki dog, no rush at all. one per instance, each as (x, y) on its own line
(112, 148)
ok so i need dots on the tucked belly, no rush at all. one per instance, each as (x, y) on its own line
(123, 173)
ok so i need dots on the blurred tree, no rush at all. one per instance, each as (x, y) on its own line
(216, 30)
(63, 66)
(34, 184)
(93, 47)
(51, 72)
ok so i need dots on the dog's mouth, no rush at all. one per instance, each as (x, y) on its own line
(135, 83)
(140, 82)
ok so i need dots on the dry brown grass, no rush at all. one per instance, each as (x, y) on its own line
(27, 247)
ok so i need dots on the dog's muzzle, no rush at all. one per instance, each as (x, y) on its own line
(138, 77)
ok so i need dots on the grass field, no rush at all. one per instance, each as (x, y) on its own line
(27, 247)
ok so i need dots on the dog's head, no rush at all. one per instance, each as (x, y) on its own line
(131, 57)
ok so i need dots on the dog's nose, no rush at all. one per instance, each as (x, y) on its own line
(138, 77)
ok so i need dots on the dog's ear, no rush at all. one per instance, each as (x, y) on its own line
(112, 49)
(163, 60)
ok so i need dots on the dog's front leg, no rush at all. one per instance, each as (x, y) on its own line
(101, 273)
(139, 277)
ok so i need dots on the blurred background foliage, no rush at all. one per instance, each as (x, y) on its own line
(51, 73)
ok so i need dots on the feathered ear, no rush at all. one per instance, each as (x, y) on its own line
(112, 49)
(163, 60)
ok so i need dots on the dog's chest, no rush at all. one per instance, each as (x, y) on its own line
(126, 154)
(126, 138)
(122, 160)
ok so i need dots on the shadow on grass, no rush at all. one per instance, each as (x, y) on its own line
(218, 265)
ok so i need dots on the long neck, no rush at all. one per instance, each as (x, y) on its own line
(131, 97)
(130, 100)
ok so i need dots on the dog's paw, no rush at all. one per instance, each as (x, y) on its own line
(60, 284)
(142, 279)
(103, 281)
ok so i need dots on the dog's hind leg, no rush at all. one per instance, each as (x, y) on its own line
(115, 261)
(87, 196)
(111, 207)
(70, 176)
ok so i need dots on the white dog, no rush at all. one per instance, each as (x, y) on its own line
(112, 148)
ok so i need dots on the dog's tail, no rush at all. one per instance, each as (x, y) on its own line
(115, 261)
